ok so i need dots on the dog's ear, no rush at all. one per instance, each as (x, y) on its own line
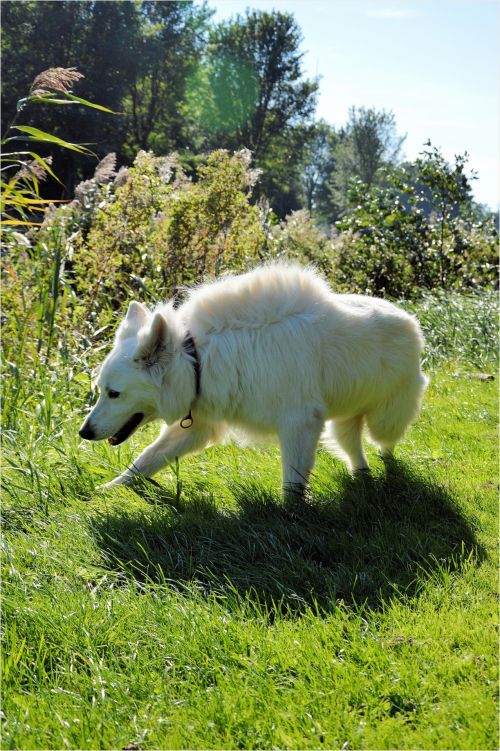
(136, 317)
(136, 313)
(155, 344)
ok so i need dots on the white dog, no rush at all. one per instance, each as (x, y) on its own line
(270, 351)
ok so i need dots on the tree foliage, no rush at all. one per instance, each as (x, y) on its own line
(254, 88)
(318, 168)
(249, 92)
(367, 143)
(180, 84)
(391, 244)
(135, 57)
(171, 39)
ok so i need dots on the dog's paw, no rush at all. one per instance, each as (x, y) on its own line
(104, 486)
(110, 484)
(127, 478)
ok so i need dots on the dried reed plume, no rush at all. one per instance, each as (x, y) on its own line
(55, 79)
(34, 169)
(106, 169)
(121, 178)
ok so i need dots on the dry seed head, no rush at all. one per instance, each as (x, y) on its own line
(55, 79)
(85, 189)
(167, 165)
(106, 169)
(34, 169)
(121, 178)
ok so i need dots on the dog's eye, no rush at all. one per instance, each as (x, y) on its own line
(113, 394)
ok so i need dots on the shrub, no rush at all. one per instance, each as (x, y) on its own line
(392, 244)
(155, 229)
(210, 226)
(297, 238)
(140, 233)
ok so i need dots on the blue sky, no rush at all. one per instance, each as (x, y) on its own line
(434, 63)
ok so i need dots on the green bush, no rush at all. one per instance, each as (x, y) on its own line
(209, 227)
(141, 233)
(153, 228)
(297, 238)
(391, 243)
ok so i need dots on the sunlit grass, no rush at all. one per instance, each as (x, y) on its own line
(460, 328)
(205, 614)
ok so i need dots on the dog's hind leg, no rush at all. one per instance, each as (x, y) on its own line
(173, 442)
(347, 435)
(299, 433)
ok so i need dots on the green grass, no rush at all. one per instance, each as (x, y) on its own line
(202, 613)
(460, 328)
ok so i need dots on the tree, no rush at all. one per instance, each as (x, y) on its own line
(135, 56)
(368, 142)
(168, 48)
(318, 168)
(250, 93)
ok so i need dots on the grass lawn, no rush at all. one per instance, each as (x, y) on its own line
(205, 614)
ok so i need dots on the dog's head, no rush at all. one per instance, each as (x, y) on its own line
(130, 377)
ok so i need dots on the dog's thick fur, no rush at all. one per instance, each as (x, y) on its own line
(278, 353)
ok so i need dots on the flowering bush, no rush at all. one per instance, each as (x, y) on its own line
(299, 239)
(210, 226)
(391, 244)
(153, 229)
(142, 233)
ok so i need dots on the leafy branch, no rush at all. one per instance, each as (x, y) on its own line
(22, 171)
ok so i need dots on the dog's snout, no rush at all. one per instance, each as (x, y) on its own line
(86, 432)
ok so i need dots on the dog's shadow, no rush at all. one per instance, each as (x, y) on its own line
(361, 541)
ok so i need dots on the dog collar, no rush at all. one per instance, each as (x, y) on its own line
(190, 349)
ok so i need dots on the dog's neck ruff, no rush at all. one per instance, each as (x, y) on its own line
(190, 349)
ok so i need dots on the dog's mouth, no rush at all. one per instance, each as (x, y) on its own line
(129, 427)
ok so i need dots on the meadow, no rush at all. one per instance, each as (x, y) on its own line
(199, 611)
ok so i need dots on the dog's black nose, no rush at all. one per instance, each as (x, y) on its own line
(86, 432)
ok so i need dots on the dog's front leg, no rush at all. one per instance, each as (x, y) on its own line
(172, 442)
(299, 433)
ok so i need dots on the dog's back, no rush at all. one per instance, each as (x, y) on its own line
(266, 296)
(278, 336)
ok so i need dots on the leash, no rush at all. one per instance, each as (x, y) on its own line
(190, 349)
